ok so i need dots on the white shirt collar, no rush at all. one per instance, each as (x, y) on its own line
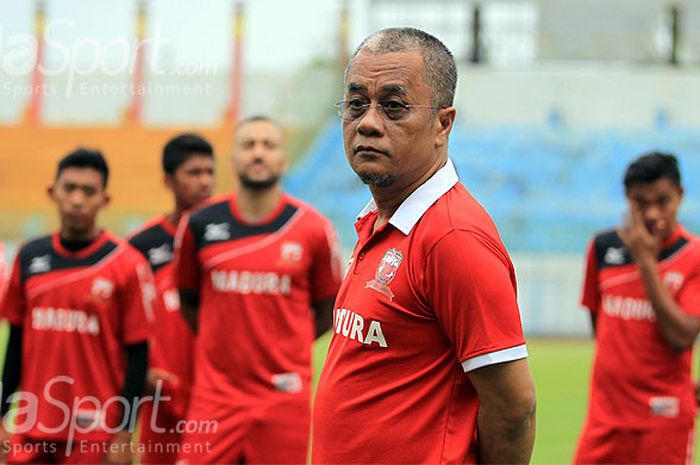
(416, 204)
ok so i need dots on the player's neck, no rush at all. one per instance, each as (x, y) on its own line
(174, 216)
(254, 205)
(66, 234)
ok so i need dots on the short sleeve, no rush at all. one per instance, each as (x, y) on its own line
(326, 267)
(590, 295)
(138, 299)
(185, 264)
(470, 284)
(13, 301)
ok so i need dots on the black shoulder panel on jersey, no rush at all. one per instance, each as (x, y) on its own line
(216, 223)
(155, 244)
(673, 248)
(610, 251)
(39, 257)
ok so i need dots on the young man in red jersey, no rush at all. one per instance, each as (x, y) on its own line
(79, 304)
(428, 360)
(257, 272)
(188, 165)
(642, 287)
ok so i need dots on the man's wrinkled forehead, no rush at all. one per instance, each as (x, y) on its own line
(389, 73)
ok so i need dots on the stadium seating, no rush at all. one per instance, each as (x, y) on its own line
(547, 189)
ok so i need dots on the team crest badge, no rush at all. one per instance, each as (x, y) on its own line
(386, 272)
(102, 288)
(673, 280)
(291, 251)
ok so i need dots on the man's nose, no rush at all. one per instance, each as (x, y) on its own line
(76, 198)
(371, 123)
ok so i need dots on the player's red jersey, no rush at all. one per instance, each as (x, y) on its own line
(429, 295)
(256, 284)
(638, 380)
(173, 341)
(77, 312)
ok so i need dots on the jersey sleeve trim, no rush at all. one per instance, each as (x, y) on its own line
(492, 358)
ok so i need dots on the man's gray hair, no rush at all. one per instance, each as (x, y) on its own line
(440, 68)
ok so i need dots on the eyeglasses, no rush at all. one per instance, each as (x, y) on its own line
(395, 110)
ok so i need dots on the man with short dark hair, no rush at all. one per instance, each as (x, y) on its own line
(257, 273)
(642, 287)
(79, 305)
(188, 168)
(428, 360)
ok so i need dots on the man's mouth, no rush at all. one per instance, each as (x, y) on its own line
(369, 150)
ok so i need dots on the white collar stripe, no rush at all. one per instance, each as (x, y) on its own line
(416, 204)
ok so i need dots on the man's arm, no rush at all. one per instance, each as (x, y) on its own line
(594, 321)
(189, 307)
(323, 316)
(134, 382)
(506, 420)
(678, 329)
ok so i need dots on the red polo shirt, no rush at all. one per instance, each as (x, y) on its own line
(429, 295)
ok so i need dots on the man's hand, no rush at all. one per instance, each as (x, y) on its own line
(119, 451)
(643, 245)
(156, 375)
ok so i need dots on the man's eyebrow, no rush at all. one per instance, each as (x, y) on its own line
(395, 89)
(353, 87)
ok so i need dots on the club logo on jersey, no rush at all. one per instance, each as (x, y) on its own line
(40, 264)
(159, 255)
(291, 251)
(673, 280)
(217, 232)
(102, 288)
(386, 272)
(615, 255)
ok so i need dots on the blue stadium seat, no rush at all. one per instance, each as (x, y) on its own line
(547, 190)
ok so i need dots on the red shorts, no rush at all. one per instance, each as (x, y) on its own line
(601, 444)
(159, 438)
(24, 450)
(277, 433)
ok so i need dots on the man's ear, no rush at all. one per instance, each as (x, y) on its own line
(168, 181)
(106, 199)
(50, 192)
(444, 121)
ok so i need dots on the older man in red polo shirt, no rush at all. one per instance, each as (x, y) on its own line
(428, 360)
